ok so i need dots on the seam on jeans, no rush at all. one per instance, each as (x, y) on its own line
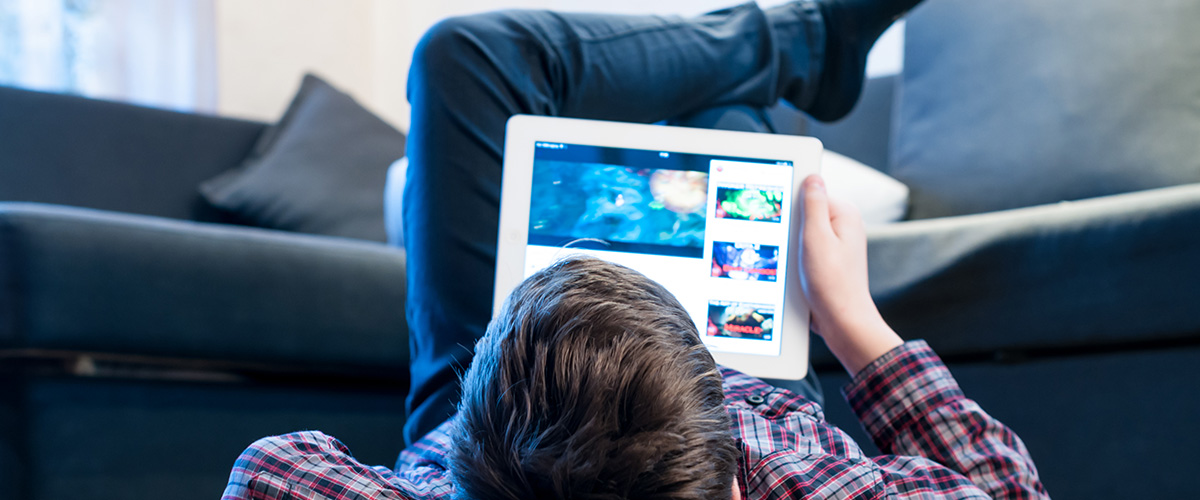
(671, 25)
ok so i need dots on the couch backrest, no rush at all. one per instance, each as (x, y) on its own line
(83, 152)
(1007, 104)
(864, 134)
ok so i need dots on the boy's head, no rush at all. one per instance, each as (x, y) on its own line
(592, 384)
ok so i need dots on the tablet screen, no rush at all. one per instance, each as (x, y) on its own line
(711, 229)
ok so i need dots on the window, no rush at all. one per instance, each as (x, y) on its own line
(154, 52)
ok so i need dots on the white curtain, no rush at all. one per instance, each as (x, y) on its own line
(153, 52)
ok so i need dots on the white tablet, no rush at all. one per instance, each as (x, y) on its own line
(711, 215)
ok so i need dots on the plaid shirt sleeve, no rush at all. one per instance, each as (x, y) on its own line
(911, 405)
(312, 465)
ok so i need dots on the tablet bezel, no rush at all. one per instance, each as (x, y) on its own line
(523, 131)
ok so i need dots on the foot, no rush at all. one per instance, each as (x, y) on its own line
(851, 28)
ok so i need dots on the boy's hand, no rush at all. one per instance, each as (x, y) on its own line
(833, 258)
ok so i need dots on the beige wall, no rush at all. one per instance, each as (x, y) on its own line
(361, 46)
(364, 46)
(263, 46)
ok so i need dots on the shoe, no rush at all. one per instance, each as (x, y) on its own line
(851, 29)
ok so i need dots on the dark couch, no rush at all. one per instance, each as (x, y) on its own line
(144, 342)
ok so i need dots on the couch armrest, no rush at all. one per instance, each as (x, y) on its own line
(1107, 271)
(89, 280)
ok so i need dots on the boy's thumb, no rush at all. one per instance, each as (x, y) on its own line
(815, 216)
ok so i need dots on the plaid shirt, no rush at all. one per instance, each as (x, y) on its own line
(939, 444)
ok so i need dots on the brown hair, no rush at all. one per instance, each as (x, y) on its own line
(592, 383)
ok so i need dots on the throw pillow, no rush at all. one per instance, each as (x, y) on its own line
(393, 202)
(1014, 103)
(879, 198)
(320, 170)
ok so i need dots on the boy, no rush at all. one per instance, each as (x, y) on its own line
(592, 382)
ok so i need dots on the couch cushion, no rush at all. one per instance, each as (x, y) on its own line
(76, 279)
(320, 170)
(1116, 270)
(1025, 102)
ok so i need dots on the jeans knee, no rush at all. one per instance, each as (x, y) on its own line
(451, 44)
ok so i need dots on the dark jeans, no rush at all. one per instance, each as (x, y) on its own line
(470, 74)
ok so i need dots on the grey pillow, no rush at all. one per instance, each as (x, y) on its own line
(320, 170)
(1022, 102)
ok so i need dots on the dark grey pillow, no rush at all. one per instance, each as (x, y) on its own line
(1022, 102)
(320, 170)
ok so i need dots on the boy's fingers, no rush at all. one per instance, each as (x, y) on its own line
(815, 218)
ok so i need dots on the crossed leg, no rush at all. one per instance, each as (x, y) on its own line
(470, 74)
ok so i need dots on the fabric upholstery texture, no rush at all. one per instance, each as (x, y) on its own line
(88, 153)
(863, 135)
(13, 470)
(89, 280)
(114, 439)
(1026, 102)
(125, 278)
(1119, 269)
(320, 170)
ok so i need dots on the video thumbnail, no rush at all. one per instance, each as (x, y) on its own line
(745, 261)
(740, 320)
(657, 211)
(754, 204)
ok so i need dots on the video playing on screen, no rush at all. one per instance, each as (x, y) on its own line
(708, 228)
(644, 210)
(740, 320)
(745, 261)
(749, 203)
